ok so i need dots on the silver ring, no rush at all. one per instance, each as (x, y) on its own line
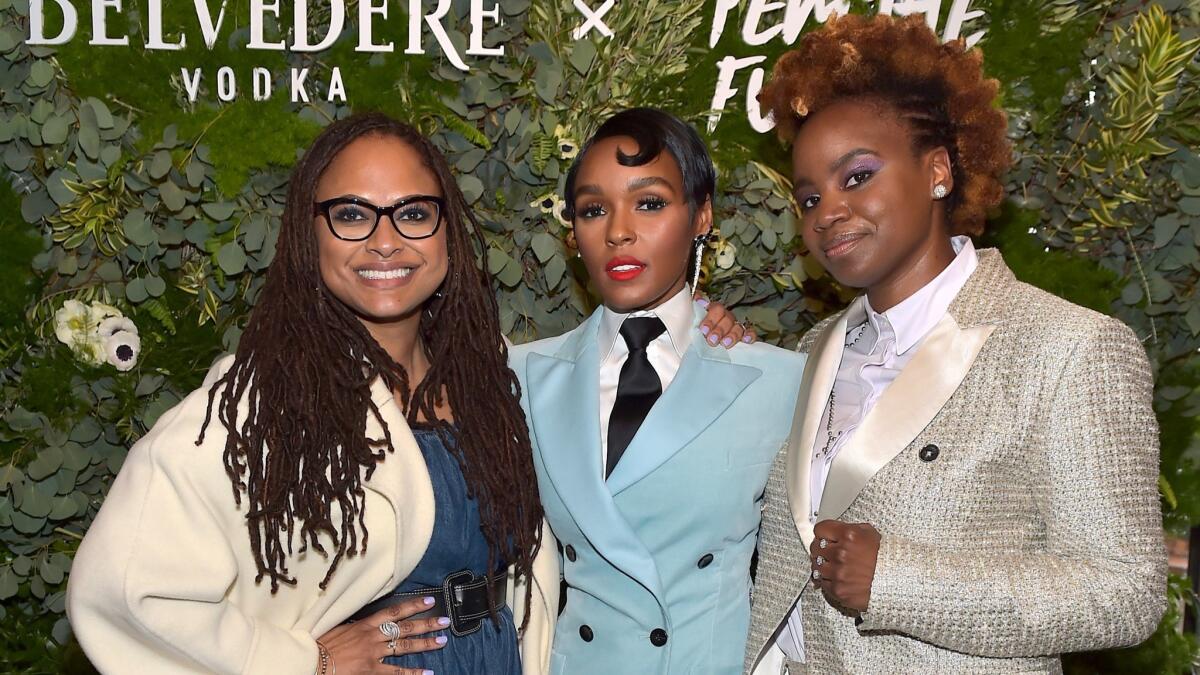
(820, 560)
(390, 630)
(816, 575)
(824, 543)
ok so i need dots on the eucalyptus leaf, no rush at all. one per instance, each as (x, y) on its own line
(138, 229)
(231, 258)
(89, 142)
(172, 196)
(544, 246)
(41, 73)
(54, 131)
(218, 211)
(160, 164)
(583, 54)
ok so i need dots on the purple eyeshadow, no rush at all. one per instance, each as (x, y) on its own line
(871, 164)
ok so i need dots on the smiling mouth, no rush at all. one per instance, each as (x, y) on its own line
(842, 244)
(377, 275)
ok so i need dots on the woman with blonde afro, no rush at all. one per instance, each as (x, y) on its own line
(971, 482)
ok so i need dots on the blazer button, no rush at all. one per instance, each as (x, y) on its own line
(585, 632)
(571, 553)
(658, 637)
(704, 561)
(929, 453)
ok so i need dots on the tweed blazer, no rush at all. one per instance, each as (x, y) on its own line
(1034, 529)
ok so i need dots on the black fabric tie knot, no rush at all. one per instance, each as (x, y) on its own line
(637, 389)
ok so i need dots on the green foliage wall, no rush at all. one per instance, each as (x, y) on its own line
(122, 191)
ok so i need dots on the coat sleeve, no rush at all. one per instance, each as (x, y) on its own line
(538, 632)
(149, 588)
(1100, 580)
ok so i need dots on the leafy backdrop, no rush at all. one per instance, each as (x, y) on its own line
(119, 190)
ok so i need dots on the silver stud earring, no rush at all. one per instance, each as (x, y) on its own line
(940, 191)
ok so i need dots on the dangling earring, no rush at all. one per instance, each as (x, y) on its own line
(940, 191)
(700, 242)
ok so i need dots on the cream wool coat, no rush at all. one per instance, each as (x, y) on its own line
(164, 580)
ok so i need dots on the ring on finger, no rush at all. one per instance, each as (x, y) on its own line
(390, 630)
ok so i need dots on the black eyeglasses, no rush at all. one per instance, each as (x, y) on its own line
(354, 219)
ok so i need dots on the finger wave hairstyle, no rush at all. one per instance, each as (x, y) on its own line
(297, 399)
(938, 89)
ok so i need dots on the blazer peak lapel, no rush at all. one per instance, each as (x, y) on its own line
(815, 387)
(904, 409)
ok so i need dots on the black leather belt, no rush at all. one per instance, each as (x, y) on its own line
(463, 597)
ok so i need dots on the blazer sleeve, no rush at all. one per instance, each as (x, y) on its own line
(1100, 580)
(149, 588)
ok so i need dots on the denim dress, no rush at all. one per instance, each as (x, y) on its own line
(457, 544)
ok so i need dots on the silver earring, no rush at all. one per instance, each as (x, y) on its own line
(700, 241)
(940, 191)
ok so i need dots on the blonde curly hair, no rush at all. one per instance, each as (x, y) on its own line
(938, 89)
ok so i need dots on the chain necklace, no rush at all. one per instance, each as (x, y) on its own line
(831, 437)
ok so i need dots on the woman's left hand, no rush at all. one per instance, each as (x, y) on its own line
(720, 326)
(845, 567)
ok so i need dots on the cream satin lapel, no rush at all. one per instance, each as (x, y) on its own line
(819, 373)
(904, 410)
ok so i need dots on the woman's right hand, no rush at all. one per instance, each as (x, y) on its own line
(360, 647)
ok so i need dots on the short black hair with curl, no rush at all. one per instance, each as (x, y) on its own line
(654, 131)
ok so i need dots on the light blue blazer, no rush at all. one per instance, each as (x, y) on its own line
(656, 559)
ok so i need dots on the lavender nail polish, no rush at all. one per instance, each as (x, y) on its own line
(704, 329)
(712, 339)
(443, 621)
(441, 639)
(428, 601)
(728, 342)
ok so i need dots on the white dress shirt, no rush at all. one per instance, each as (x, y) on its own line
(877, 347)
(665, 352)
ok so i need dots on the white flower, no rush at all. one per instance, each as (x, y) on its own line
(116, 324)
(101, 311)
(121, 349)
(551, 204)
(726, 254)
(567, 147)
(72, 322)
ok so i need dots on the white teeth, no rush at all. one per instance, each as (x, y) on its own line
(385, 274)
(625, 268)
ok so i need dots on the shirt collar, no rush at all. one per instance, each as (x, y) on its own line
(676, 314)
(913, 318)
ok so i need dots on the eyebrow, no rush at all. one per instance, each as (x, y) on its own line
(838, 163)
(632, 186)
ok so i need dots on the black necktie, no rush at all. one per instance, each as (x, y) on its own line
(637, 390)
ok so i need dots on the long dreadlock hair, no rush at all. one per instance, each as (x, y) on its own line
(305, 364)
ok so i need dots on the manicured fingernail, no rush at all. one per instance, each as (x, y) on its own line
(747, 339)
(728, 342)
(704, 329)
(703, 302)
(428, 601)
(443, 621)
(441, 639)
(426, 672)
(712, 339)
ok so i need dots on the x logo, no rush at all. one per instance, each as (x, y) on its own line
(595, 19)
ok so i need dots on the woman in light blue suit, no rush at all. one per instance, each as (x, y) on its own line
(652, 446)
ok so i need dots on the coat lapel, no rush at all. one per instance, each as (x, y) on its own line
(815, 385)
(564, 406)
(707, 383)
(918, 394)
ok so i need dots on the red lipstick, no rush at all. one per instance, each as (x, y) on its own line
(624, 268)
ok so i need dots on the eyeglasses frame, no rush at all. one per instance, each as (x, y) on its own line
(322, 209)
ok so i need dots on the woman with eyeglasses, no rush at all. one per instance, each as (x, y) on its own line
(346, 491)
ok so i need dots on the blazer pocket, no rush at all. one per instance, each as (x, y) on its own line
(558, 663)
